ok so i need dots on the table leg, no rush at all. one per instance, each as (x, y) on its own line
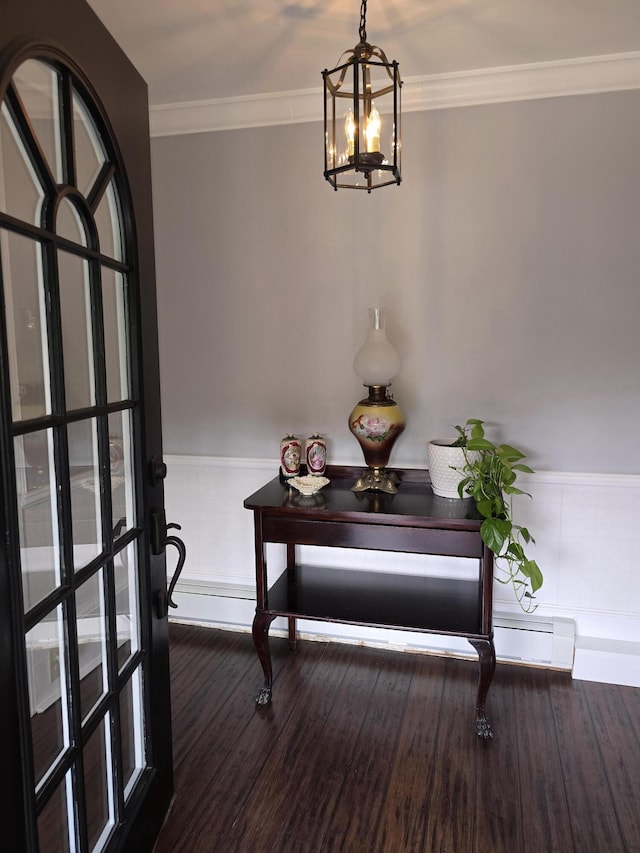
(260, 633)
(291, 579)
(487, 655)
(292, 632)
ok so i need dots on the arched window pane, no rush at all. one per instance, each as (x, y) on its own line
(92, 642)
(108, 223)
(114, 309)
(90, 156)
(132, 731)
(84, 474)
(98, 769)
(69, 224)
(122, 474)
(47, 655)
(37, 516)
(26, 326)
(37, 84)
(21, 194)
(127, 602)
(77, 333)
(57, 820)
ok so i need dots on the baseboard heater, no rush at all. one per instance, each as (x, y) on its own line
(546, 641)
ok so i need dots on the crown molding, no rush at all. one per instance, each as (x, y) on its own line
(583, 76)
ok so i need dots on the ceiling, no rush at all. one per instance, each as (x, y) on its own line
(198, 50)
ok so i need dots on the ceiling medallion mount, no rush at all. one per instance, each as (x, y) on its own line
(362, 143)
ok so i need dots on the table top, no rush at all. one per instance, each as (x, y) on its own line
(414, 503)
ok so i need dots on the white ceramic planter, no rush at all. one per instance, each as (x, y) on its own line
(442, 458)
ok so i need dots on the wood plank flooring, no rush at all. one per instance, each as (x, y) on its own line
(372, 750)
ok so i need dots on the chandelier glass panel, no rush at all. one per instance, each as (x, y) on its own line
(362, 134)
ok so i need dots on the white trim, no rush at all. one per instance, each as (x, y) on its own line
(607, 661)
(223, 462)
(581, 76)
(556, 478)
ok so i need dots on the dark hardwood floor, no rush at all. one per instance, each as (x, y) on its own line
(371, 750)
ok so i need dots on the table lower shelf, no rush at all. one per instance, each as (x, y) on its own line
(410, 602)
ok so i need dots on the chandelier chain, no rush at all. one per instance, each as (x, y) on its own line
(363, 21)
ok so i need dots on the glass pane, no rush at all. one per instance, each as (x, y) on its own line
(108, 223)
(37, 85)
(69, 223)
(127, 604)
(98, 780)
(54, 820)
(46, 670)
(37, 516)
(84, 474)
(114, 308)
(21, 194)
(26, 326)
(77, 337)
(132, 732)
(92, 642)
(121, 460)
(90, 156)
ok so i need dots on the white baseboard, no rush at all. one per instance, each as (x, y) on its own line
(548, 643)
(607, 661)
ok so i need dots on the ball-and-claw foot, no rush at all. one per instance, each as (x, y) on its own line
(264, 696)
(483, 728)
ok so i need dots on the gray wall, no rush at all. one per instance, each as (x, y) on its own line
(508, 260)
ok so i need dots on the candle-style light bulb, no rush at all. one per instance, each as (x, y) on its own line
(372, 130)
(350, 132)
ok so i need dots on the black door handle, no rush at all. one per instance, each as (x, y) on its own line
(182, 556)
(160, 540)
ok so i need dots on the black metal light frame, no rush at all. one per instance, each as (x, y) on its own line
(360, 168)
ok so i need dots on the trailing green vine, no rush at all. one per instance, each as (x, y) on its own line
(489, 478)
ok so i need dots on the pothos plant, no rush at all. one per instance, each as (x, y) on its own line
(489, 477)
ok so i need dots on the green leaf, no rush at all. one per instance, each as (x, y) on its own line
(514, 490)
(516, 551)
(476, 423)
(494, 533)
(462, 485)
(507, 475)
(508, 452)
(480, 443)
(499, 508)
(534, 574)
(524, 468)
(485, 508)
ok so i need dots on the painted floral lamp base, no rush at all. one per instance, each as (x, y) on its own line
(376, 423)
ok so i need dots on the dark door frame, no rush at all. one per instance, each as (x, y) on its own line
(72, 28)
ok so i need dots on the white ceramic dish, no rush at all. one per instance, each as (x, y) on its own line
(308, 485)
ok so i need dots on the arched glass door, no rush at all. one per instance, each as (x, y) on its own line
(76, 531)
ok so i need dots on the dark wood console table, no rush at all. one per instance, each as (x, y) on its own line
(412, 521)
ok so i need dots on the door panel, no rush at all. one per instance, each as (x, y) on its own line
(85, 660)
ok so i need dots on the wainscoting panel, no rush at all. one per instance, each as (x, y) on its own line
(587, 545)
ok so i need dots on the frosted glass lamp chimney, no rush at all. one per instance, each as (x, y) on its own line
(376, 362)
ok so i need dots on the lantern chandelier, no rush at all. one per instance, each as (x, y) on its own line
(362, 143)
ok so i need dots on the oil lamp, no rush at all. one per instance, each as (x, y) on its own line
(377, 421)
